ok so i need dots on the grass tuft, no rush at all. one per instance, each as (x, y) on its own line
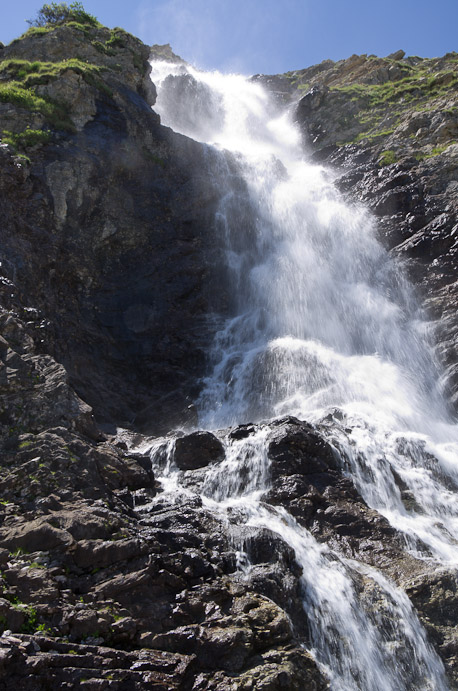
(387, 158)
(24, 76)
(24, 140)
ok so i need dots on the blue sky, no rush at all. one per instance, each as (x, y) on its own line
(271, 36)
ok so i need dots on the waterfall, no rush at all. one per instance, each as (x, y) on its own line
(322, 325)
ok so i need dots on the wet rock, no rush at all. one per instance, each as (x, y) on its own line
(242, 431)
(197, 450)
(435, 597)
(263, 546)
(296, 448)
(307, 480)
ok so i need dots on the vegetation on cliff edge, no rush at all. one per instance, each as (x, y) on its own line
(88, 50)
(54, 13)
(397, 105)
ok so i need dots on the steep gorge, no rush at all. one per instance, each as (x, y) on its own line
(111, 267)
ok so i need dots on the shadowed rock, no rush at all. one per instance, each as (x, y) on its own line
(197, 450)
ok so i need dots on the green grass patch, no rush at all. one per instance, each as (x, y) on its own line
(387, 158)
(15, 93)
(23, 158)
(45, 630)
(373, 135)
(28, 74)
(436, 151)
(368, 136)
(83, 28)
(417, 85)
(103, 48)
(19, 552)
(24, 76)
(115, 41)
(30, 624)
(24, 140)
(34, 31)
(56, 114)
(383, 105)
(23, 444)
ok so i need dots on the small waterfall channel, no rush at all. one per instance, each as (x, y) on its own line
(322, 326)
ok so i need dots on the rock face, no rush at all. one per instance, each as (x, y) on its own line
(107, 271)
(131, 291)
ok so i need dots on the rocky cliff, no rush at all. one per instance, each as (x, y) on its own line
(107, 308)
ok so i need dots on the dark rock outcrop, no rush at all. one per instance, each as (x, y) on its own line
(197, 450)
(124, 303)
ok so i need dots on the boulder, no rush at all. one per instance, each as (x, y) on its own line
(197, 450)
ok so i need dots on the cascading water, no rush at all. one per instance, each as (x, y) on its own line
(323, 327)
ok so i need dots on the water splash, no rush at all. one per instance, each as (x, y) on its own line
(365, 635)
(325, 327)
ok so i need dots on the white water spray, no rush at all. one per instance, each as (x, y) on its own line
(322, 320)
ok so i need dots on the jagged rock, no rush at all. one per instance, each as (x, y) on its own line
(397, 55)
(312, 100)
(50, 661)
(38, 534)
(307, 480)
(436, 598)
(126, 55)
(98, 553)
(296, 448)
(242, 431)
